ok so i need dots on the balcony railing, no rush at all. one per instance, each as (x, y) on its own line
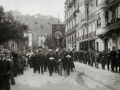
(69, 19)
(114, 24)
(71, 4)
(71, 30)
(113, 21)
(76, 11)
(90, 35)
(82, 37)
(86, 36)
(94, 33)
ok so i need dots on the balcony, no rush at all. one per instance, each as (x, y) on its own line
(71, 3)
(114, 24)
(72, 30)
(90, 35)
(113, 2)
(69, 19)
(76, 11)
(82, 37)
(77, 38)
(94, 33)
(86, 36)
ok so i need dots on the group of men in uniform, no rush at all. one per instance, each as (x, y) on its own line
(55, 61)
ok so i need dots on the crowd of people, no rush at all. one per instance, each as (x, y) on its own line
(53, 61)
(12, 64)
(109, 58)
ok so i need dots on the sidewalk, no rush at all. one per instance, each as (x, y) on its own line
(105, 77)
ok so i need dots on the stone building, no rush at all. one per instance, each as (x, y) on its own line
(71, 8)
(92, 24)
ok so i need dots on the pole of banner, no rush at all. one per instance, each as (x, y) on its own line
(58, 40)
(58, 18)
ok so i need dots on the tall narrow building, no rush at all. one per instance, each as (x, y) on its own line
(71, 7)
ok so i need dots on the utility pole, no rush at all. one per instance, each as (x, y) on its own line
(58, 18)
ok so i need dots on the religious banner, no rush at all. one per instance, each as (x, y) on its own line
(58, 34)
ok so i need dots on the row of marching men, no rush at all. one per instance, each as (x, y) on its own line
(54, 61)
(11, 65)
(109, 58)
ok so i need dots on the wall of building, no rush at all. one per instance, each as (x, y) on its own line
(12, 45)
(41, 40)
(30, 39)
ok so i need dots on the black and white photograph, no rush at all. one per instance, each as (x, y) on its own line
(59, 44)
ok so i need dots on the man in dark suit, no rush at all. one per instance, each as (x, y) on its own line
(15, 60)
(108, 58)
(42, 58)
(118, 58)
(113, 59)
(68, 61)
(50, 59)
(5, 70)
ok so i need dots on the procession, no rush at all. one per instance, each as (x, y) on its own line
(59, 44)
(13, 64)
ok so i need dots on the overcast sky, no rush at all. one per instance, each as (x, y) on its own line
(44, 7)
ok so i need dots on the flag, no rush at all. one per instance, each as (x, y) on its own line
(58, 34)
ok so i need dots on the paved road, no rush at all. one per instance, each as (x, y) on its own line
(76, 81)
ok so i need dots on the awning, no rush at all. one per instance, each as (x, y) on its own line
(113, 31)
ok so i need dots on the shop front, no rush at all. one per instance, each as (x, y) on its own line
(87, 45)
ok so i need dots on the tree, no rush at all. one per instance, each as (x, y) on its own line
(9, 16)
(49, 42)
(13, 30)
(1, 13)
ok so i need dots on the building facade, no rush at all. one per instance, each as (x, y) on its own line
(71, 8)
(112, 36)
(41, 40)
(97, 25)
(92, 21)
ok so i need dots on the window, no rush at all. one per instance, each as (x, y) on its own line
(98, 2)
(106, 16)
(98, 21)
(91, 6)
(91, 27)
(41, 41)
(75, 21)
(113, 14)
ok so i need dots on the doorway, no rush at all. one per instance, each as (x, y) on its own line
(106, 44)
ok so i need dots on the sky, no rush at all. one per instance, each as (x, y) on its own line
(44, 7)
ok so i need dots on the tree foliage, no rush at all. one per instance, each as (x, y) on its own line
(48, 42)
(1, 13)
(11, 29)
